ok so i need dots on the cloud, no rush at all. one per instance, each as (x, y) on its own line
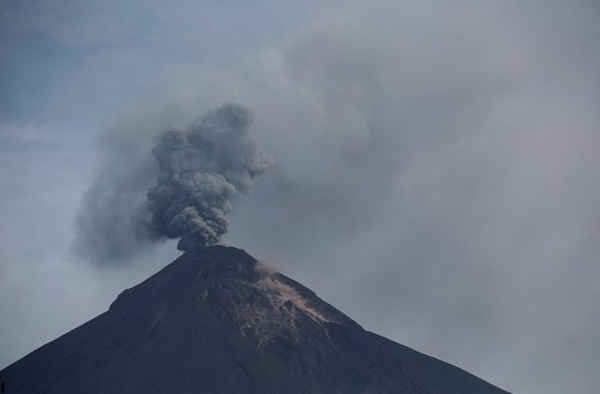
(187, 195)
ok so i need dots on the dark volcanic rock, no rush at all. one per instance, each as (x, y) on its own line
(216, 321)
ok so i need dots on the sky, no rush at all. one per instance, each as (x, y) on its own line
(433, 167)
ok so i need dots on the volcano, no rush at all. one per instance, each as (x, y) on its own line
(217, 321)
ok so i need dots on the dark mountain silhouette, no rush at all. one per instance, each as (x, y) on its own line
(216, 321)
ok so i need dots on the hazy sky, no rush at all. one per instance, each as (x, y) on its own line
(434, 172)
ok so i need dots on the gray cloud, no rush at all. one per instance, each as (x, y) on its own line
(187, 195)
(201, 170)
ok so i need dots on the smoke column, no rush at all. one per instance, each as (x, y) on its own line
(201, 169)
(186, 193)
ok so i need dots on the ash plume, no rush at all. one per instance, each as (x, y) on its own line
(201, 169)
(185, 191)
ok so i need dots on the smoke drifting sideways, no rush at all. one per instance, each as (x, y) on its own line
(200, 171)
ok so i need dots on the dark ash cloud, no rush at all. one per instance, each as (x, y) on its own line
(187, 196)
(201, 170)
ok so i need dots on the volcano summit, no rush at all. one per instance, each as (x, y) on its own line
(217, 321)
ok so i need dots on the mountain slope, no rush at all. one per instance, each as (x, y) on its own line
(216, 321)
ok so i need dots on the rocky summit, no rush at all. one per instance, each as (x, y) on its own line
(217, 321)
